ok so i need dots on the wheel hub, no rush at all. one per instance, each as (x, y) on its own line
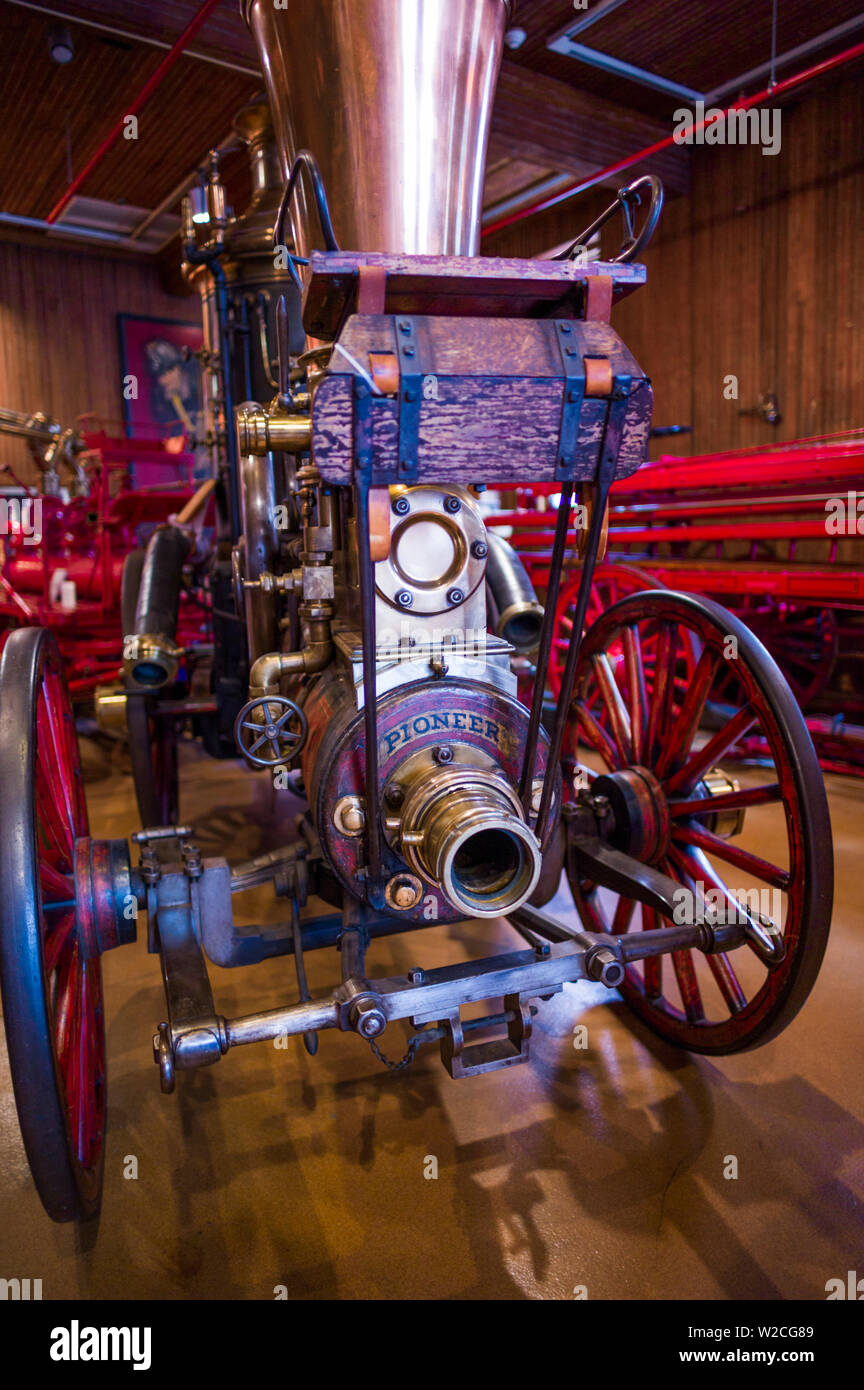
(105, 905)
(640, 812)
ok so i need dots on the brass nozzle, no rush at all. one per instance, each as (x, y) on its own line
(463, 829)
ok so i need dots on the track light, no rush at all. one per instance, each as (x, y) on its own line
(514, 38)
(60, 44)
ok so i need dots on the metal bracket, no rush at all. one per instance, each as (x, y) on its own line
(572, 399)
(481, 1057)
(410, 393)
(362, 426)
(194, 1035)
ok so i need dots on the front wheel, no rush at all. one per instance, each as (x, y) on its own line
(51, 977)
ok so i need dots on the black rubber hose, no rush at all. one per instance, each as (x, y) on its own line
(158, 604)
(130, 585)
(519, 615)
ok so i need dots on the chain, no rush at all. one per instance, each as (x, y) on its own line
(413, 1044)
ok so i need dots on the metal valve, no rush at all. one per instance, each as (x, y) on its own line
(270, 731)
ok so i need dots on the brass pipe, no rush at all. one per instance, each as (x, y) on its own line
(259, 432)
(197, 502)
(268, 670)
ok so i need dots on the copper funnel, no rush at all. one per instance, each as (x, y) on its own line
(393, 97)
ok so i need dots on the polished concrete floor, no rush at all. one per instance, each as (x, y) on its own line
(599, 1168)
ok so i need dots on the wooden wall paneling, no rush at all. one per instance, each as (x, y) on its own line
(58, 331)
(656, 323)
(757, 273)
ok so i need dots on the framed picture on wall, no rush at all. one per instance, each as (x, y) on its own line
(160, 389)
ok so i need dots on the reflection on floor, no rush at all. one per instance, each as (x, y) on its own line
(597, 1168)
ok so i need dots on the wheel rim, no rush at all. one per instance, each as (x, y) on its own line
(630, 711)
(803, 641)
(611, 583)
(52, 991)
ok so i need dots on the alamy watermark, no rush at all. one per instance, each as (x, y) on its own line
(22, 516)
(410, 640)
(728, 907)
(734, 127)
(844, 516)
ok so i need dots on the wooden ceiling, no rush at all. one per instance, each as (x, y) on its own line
(701, 44)
(553, 115)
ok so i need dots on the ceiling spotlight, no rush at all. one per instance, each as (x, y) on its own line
(514, 38)
(60, 44)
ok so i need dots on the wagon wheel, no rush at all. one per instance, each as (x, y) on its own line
(52, 985)
(630, 712)
(152, 737)
(611, 582)
(803, 641)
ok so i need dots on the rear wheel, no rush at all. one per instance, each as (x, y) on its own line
(648, 677)
(611, 582)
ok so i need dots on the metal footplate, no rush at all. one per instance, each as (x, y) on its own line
(461, 1060)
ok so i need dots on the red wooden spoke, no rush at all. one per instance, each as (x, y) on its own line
(711, 876)
(616, 711)
(726, 801)
(60, 933)
(63, 724)
(57, 832)
(680, 737)
(53, 732)
(623, 915)
(712, 752)
(597, 737)
(64, 1014)
(719, 964)
(635, 674)
(652, 966)
(727, 982)
(685, 974)
(54, 768)
(56, 887)
(586, 908)
(741, 858)
(688, 985)
(658, 692)
(676, 685)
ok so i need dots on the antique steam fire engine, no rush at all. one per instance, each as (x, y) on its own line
(366, 578)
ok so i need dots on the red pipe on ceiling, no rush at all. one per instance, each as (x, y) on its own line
(135, 106)
(857, 51)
